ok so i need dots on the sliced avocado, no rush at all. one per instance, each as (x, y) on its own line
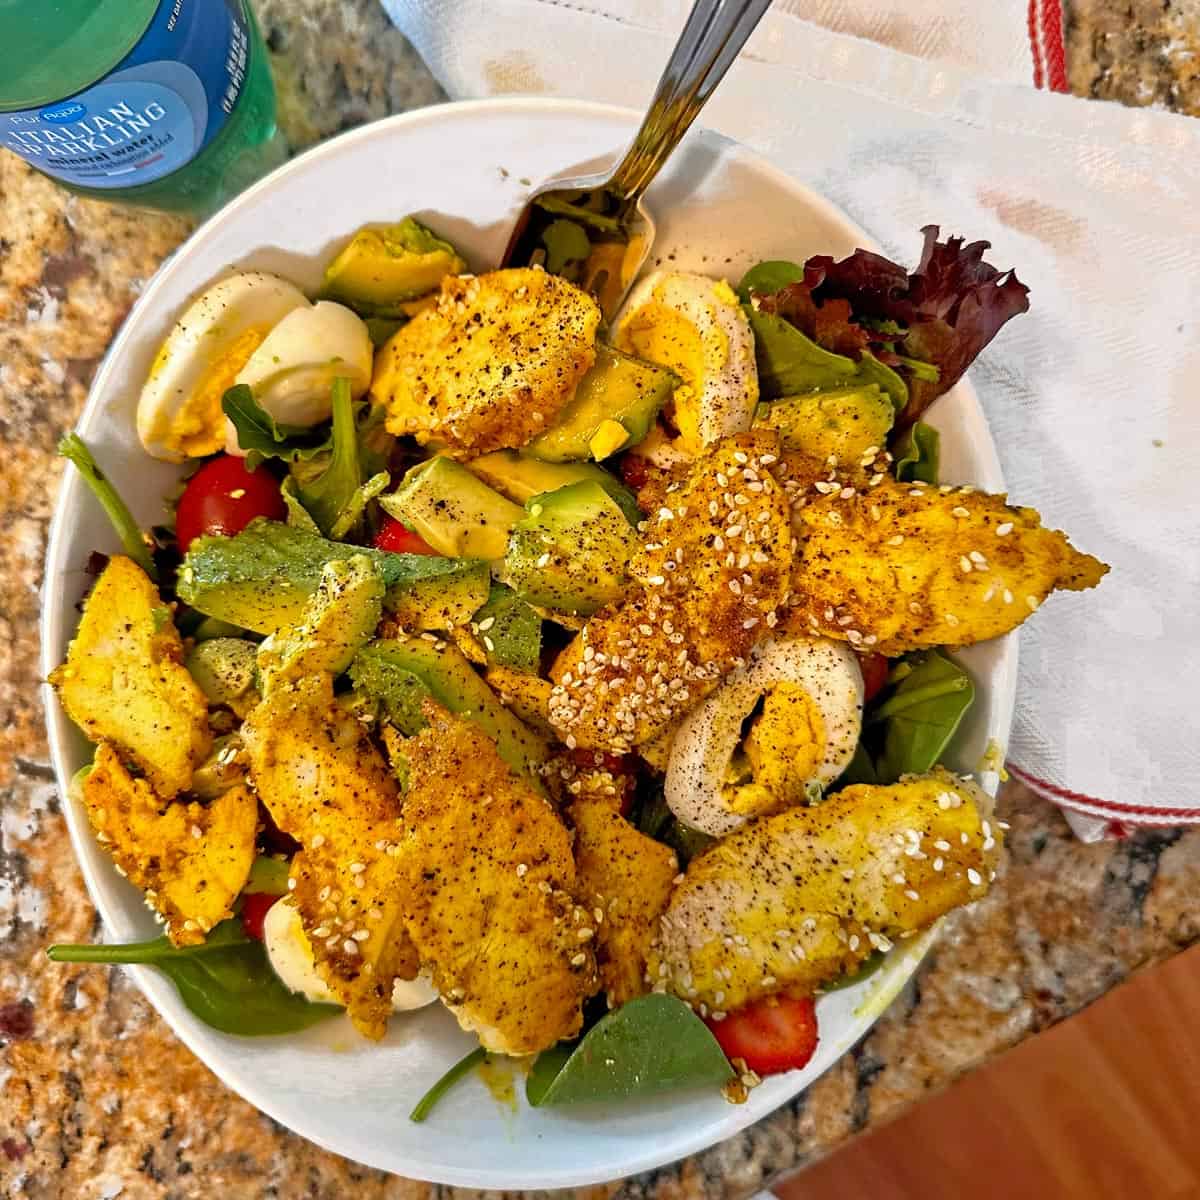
(617, 388)
(386, 265)
(224, 667)
(571, 551)
(262, 578)
(453, 510)
(510, 631)
(846, 422)
(402, 672)
(520, 478)
(338, 621)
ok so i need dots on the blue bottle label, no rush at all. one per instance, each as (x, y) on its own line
(154, 112)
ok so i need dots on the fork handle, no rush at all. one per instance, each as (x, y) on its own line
(715, 31)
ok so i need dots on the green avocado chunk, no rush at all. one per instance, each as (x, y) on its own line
(846, 422)
(617, 389)
(385, 265)
(224, 667)
(520, 478)
(570, 552)
(261, 579)
(339, 620)
(453, 510)
(400, 673)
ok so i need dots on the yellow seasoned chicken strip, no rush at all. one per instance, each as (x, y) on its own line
(191, 860)
(124, 682)
(713, 575)
(903, 566)
(325, 784)
(797, 899)
(625, 878)
(492, 364)
(491, 885)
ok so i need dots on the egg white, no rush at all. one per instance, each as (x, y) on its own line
(179, 411)
(291, 958)
(291, 373)
(708, 736)
(695, 326)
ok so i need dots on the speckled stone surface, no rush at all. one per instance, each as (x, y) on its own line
(97, 1099)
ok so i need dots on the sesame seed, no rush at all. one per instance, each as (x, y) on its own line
(912, 895)
(361, 935)
(825, 488)
(321, 931)
(959, 511)
(486, 624)
(899, 878)
(577, 960)
(318, 840)
(898, 540)
(357, 868)
(350, 946)
(542, 561)
(666, 514)
(291, 885)
(1005, 529)
(735, 587)
(939, 863)
(854, 941)
(941, 844)
(965, 563)
(974, 877)
(1033, 602)
(1008, 596)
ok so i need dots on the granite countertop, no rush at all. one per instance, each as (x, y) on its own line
(99, 1099)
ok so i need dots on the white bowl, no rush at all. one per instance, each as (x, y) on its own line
(465, 168)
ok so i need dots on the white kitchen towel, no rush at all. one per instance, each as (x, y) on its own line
(1093, 397)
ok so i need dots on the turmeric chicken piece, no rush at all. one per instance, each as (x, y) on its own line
(490, 881)
(324, 783)
(902, 566)
(124, 682)
(713, 575)
(792, 901)
(191, 860)
(492, 364)
(625, 877)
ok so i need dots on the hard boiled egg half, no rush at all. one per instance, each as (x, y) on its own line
(291, 958)
(695, 326)
(775, 734)
(239, 331)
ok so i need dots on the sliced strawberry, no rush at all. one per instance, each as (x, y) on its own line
(771, 1035)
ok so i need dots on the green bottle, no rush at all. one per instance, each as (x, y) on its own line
(162, 103)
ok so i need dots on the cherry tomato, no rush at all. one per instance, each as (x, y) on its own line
(774, 1034)
(255, 906)
(399, 539)
(874, 672)
(224, 497)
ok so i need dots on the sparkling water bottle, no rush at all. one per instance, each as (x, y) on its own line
(162, 103)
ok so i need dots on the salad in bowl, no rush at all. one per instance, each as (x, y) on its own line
(592, 681)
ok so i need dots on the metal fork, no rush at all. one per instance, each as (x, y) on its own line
(609, 207)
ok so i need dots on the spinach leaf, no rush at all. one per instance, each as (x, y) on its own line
(789, 363)
(652, 1044)
(920, 714)
(917, 452)
(226, 981)
(380, 329)
(652, 817)
(767, 277)
(866, 969)
(463, 1067)
(75, 450)
(510, 630)
(260, 436)
(871, 370)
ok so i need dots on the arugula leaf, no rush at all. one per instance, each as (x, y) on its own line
(652, 817)
(297, 515)
(226, 981)
(462, 1068)
(75, 450)
(513, 629)
(329, 488)
(356, 507)
(651, 1044)
(917, 451)
(260, 436)
(768, 277)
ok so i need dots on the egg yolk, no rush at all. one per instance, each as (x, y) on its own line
(782, 752)
(668, 337)
(197, 427)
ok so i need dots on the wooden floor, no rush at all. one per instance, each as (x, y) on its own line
(1103, 1107)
